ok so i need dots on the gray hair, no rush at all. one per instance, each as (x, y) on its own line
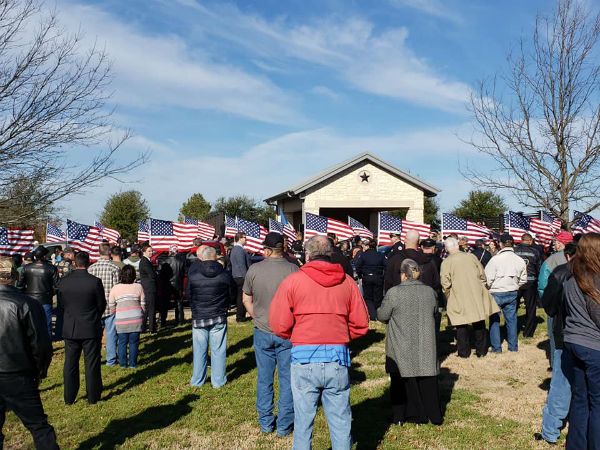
(318, 246)
(451, 243)
(209, 254)
(410, 268)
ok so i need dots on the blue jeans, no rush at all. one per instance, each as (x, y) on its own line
(507, 301)
(216, 335)
(559, 398)
(131, 340)
(110, 338)
(584, 416)
(330, 383)
(271, 351)
(48, 313)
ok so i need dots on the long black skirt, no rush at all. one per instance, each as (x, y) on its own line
(415, 399)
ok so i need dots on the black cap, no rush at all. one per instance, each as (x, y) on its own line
(428, 243)
(504, 238)
(273, 240)
(40, 251)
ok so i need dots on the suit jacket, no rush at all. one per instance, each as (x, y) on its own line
(81, 296)
(147, 275)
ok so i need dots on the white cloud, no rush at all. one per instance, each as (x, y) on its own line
(277, 164)
(161, 70)
(324, 91)
(432, 7)
(374, 61)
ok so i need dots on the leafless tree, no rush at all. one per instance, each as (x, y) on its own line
(540, 121)
(55, 121)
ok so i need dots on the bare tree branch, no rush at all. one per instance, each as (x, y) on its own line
(540, 122)
(53, 110)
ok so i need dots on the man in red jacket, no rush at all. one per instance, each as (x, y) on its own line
(320, 310)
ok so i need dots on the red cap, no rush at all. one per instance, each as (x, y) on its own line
(564, 237)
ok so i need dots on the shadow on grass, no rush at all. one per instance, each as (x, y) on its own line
(242, 344)
(545, 345)
(242, 366)
(154, 418)
(371, 420)
(49, 388)
(140, 376)
(164, 345)
(372, 416)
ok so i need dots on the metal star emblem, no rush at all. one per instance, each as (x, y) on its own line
(364, 177)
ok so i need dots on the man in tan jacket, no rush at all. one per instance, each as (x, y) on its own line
(469, 301)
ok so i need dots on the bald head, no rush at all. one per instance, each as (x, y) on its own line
(412, 239)
(318, 246)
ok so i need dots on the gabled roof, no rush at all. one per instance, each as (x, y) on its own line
(428, 189)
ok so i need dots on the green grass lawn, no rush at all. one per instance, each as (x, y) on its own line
(154, 406)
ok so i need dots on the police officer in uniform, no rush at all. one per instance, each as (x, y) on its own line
(370, 268)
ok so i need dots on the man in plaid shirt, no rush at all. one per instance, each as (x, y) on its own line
(110, 275)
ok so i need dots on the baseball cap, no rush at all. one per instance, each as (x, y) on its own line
(273, 240)
(428, 243)
(564, 237)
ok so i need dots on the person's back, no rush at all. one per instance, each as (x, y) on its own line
(78, 295)
(81, 297)
(210, 289)
(39, 281)
(326, 303)
(271, 351)
(506, 271)
(320, 309)
(25, 347)
(25, 354)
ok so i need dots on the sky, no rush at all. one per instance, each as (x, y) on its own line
(251, 97)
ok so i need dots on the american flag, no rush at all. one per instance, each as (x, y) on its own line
(516, 224)
(255, 235)
(584, 223)
(387, 225)
(54, 234)
(109, 234)
(231, 226)
(359, 228)
(15, 241)
(423, 229)
(287, 230)
(545, 226)
(143, 231)
(164, 234)
(463, 227)
(390, 224)
(319, 225)
(205, 231)
(84, 238)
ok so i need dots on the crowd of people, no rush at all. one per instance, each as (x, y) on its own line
(308, 300)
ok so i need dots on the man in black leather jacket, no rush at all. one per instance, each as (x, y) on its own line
(39, 281)
(529, 292)
(370, 268)
(25, 354)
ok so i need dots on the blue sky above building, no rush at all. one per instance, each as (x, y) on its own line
(249, 97)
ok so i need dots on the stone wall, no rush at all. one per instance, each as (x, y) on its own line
(383, 191)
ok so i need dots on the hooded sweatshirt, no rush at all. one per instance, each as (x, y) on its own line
(319, 304)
